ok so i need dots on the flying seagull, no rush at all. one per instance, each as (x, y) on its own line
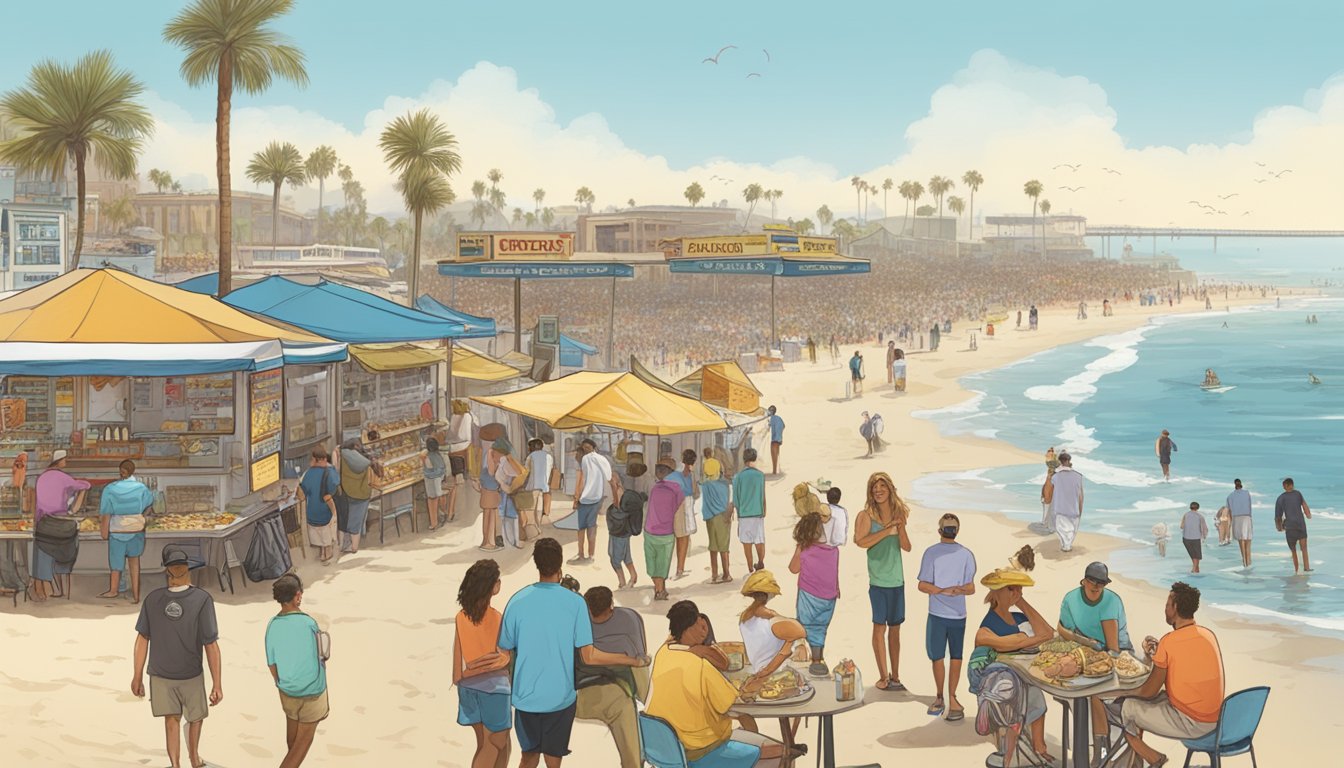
(1112, 170)
(1262, 165)
(1067, 165)
(753, 74)
(1228, 197)
(767, 55)
(715, 58)
(1073, 189)
(1245, 213)
(1261, 181)
(1280, 173)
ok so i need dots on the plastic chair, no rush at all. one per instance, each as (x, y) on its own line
(658, 743)
(1237, 723)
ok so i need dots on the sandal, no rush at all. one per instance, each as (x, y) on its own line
(936, 708)
(956, 715)
(660, 595)
(895, 686)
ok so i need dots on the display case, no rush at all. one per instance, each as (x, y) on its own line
(393, 412)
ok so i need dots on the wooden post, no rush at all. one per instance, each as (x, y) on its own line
(517, 314)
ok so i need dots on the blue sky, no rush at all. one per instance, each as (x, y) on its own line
(1175, 72)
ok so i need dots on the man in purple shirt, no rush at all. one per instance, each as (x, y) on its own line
(55, 488)
(659, 535)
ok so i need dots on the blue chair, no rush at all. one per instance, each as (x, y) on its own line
(658, 743)
(1237, 723)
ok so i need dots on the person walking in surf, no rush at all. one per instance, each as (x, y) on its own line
(1164, 447)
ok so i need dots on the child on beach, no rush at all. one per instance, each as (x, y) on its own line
(480, 667)
(818, 567)
(1160, 537)
(1193, 532)
(1224, 522)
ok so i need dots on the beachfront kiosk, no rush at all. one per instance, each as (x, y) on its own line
(779, 251)
(520, 256)
(104, 366)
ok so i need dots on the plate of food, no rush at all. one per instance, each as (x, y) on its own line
(786, 686)
(1130, 669)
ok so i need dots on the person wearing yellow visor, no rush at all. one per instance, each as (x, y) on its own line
(768, 637)
(1012, 624)
(714, 493)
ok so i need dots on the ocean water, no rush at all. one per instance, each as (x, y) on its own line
(1106, 401)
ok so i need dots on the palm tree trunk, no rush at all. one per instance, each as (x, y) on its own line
(223, 105)
(885, 211)
(970, 220)
(275, 219)
(858, 204)
(79, 200)
(321, 188)
(413, 266)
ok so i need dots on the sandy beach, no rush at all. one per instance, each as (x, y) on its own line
(64, 685)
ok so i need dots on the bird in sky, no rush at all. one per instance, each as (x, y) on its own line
(753, 74)
(1245, 213)
(715, 58)
(1112, 170)
(715, 176)
(1073, 189)
(1280, 173)
(767, 55)
(1208, 213)
(1069, 166)
(1261, 181)
(1257, 162)
(1221, 213)
(1228, 197)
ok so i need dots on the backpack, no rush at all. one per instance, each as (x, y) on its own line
(268, 554)
(627, 518)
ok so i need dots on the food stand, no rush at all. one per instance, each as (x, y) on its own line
(109, 366)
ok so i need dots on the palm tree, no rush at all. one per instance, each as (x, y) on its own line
(321, 163)
(83, 112)
(887, 184)
(824, 216)
(530, 220)
(498, 200)
(381, 229)
(423, 154)
(480, 211)
(904, 191)
(752, 195)
(1033, 190)
(916, 192)
(160, 179)
(939, 186)
(177, 186)
(1045, 213)
(231, 43)
(494, 176)
(857, 184)
(972, 180)
(120, 213)
(517, 216)
(630, 203)
(277, 164)
(478, 190)
(585, 197)
(956, 205)
(804, 227)
(774, 194)
(844, 230)
(694, 193)
(547, 217)
(538, 195)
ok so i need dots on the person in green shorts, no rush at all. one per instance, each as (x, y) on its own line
(880, 529)
(714, 494)
(659, 539)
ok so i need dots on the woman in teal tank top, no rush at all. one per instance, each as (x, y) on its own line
(880, 529)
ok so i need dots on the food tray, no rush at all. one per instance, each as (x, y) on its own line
(804, 695)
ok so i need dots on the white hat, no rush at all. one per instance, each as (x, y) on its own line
(58, 454)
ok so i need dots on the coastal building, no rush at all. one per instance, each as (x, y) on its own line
(135, 251)
(1166, 264)
(33, 244)
(642, 228)
(1015, 236)
(189, 224)
(896, 235)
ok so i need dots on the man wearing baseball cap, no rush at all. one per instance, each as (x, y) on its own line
(1094, 616)
(176, 624)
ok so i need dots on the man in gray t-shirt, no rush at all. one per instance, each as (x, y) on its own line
(605, 692)
(1291, 514)
(176, 626)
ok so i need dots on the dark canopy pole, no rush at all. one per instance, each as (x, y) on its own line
(774, 339)
(611, 328)
(517, 314)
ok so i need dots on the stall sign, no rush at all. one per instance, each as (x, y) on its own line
(817, 245)
(536, 269)
(726, 245)
(265, 472)
(266, 409)
(747, 266)
(485, 246)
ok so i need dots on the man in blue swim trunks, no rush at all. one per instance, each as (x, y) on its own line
(947, 576)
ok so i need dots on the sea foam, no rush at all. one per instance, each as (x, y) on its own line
(1079, 388)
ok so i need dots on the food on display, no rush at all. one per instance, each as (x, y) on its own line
(194, 522)
(397, 425)
(1128, 668)
(784, 684)
(90, 525)
(1096, 663)
(1059, 645)
(13, 525)
(1054, 666)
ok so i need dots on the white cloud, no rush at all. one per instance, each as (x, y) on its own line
(1009, 120)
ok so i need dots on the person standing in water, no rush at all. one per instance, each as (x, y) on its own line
(1164, 447)
(1291, 514)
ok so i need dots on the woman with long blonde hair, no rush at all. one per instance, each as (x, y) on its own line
(880, 529)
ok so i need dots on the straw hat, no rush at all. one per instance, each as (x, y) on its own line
(1004, 577)
(761, 581)
(492, 431)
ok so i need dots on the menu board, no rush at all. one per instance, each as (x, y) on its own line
(34, 414)
(266, 403)
(180, 405)
(265, 472)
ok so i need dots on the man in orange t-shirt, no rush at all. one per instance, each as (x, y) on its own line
(1189, 666)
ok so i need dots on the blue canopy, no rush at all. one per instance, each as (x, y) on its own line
(207, 284)
(476, 327)
(340, 312)
(572, 351)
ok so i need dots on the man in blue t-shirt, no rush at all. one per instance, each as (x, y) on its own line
(543, 624)
(296, 664)
(776, 438)
(856, 372)
(1094, 616)
(122, 510)
(947, 576)
(316, 487)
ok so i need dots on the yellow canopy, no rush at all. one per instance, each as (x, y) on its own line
(725, 385)
(620, 400)
(109, 306)
(467, 362)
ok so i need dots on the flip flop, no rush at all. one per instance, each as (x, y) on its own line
(956, 715)
(936, 708)
(895, 686)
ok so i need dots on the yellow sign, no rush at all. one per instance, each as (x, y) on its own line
(816, 245)
(511, 246)
(265, 472)
(727, 245)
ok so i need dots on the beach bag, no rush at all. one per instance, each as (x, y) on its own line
(555, 479)
(268, 553)
(126, 523)
(1002, 700)
(323, 645)
(58, 536)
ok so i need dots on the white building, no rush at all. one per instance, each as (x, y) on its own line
(33, 246)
